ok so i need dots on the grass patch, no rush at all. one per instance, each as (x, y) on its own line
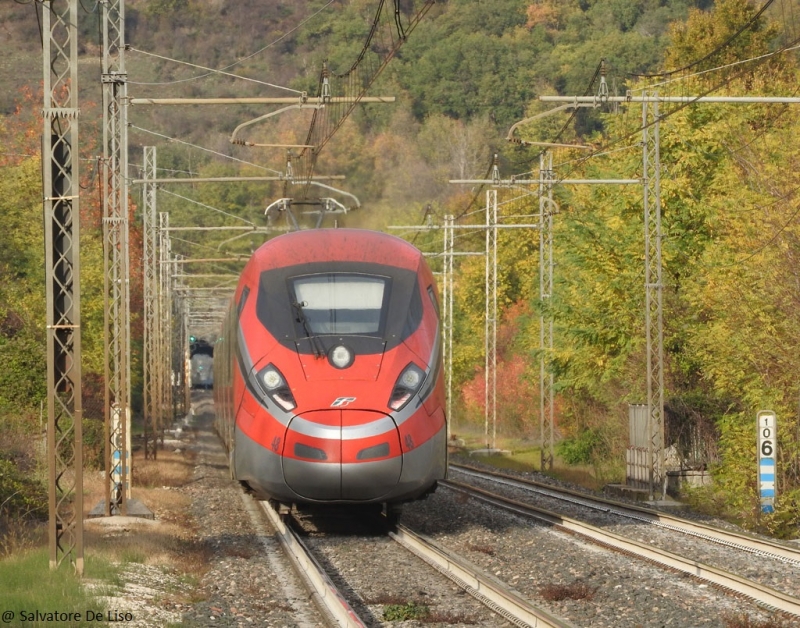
(168, 470)
(399, 608)
(29, 585)
(405, 612)
(526, 457)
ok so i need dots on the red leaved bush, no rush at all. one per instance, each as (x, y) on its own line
(517, 387)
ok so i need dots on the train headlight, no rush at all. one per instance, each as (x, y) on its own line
(275, 387)
(411, 378)
(341, 357)
(271, 377)
(406, 386)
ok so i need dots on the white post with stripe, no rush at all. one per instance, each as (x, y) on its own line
(767, 454)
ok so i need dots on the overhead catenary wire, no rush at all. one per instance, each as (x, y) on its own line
(204, 205)
(716, 50)
(210, 72)
(607, 146)
(208, 150)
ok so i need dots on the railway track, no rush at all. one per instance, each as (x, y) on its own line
(747, 543)
(330, 580)
(758, 563)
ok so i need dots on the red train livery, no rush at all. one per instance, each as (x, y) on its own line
(328, 374)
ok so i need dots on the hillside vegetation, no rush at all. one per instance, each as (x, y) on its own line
(469, 71)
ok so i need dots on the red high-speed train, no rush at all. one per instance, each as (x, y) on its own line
(329, 385)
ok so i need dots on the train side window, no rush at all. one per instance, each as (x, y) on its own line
(432, 295)
(242, 300)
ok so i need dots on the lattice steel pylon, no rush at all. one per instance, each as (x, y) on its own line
(187, 355)
(152, 407)
(116, 260)
(179, 337)
(447, 309)
(546, 394)
(60, 180)
(164, 360)
(490, 320)
(654, 289)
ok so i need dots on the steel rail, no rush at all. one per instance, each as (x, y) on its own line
(738, 540)
(325, 594)
(761, 594)
(489, 591)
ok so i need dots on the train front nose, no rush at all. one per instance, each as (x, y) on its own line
(342, 454)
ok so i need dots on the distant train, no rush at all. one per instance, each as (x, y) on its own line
(201, 362)
(329, 385)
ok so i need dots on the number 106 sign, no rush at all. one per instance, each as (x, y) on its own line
(767, 445)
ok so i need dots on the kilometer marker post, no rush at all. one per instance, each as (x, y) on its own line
(767, 454)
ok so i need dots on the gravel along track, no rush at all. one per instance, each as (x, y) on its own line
(589, 585)
(250, 582)
(383, 582)
(780, 574)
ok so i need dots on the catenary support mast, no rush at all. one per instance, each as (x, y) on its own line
(116, 260)
(62, 274)
(546, 393)
(152, 408)
(654, 291)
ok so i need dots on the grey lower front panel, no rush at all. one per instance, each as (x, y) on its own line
(322, 481)
(266, 473)
(261, 469)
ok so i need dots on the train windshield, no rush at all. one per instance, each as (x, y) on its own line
(374, 306)
(341, 303)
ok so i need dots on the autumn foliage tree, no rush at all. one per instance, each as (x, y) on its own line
(730, 256)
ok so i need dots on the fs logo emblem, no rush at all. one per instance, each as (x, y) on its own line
(342, 401)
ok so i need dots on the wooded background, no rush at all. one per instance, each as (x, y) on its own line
(730, 178)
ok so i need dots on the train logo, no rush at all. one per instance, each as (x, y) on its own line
(342, 401)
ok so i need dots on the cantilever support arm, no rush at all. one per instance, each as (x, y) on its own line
(544, 114)
(233, 139)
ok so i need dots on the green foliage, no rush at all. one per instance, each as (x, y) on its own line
(93, 444)
(582, 449)
(22, 382)
(471, 69)
(21, 496)
(784, 523)
(702, 36)
(405, 612)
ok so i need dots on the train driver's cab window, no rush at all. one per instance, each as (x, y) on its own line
(341, 303)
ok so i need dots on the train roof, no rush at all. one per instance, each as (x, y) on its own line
(345, 245)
